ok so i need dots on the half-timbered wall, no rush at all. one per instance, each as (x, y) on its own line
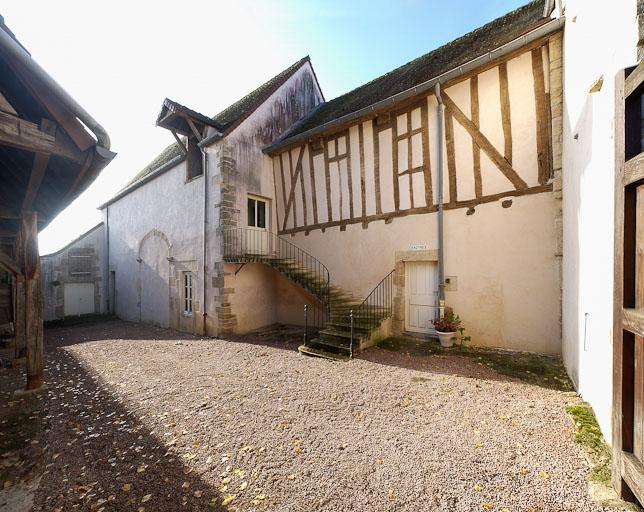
(496, 145)
(357, 197)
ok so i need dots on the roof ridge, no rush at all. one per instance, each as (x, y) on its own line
(171, 152)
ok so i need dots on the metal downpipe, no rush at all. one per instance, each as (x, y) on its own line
(439, 129)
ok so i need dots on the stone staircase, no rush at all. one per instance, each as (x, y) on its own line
(333, 325)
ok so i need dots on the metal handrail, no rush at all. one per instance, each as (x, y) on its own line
(247, 245)
(374, 309)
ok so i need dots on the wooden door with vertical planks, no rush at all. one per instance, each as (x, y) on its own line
(628, 303)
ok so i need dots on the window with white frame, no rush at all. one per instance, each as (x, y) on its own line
(187, 293)
(256, 212)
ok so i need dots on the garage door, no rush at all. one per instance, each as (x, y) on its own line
(79, 299)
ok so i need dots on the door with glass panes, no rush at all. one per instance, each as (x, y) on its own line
(257, 236)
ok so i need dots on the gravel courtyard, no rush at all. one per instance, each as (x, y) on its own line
(147, 419)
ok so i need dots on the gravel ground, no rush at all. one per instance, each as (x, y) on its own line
(147, 419)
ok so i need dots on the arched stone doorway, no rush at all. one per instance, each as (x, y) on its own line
(154, 279)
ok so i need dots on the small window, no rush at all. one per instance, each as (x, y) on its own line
(194, 160)
(187, 293)
(256, 213)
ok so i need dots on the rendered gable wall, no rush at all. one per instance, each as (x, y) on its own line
(79, 263)
(243, 169)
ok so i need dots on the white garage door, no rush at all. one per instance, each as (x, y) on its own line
(79, 299)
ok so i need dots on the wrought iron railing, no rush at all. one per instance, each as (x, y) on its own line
(374, 309)
(248, 245)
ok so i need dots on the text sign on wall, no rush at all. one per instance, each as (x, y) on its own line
(419, 247)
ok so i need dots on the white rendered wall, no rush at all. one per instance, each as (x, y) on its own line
(599, 39)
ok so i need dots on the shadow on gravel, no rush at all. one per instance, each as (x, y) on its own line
(100, 328)
(101, 455)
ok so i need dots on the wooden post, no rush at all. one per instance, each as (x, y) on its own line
(33, 300)
(20, 347)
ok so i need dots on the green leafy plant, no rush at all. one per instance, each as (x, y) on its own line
(449, 323)
(462, 339)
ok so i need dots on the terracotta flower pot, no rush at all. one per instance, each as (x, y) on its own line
(446, 338)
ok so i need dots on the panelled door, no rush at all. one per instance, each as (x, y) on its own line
(421, 285)
(257, 236)
(628, 312)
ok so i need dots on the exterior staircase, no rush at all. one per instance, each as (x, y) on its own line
(342, 324)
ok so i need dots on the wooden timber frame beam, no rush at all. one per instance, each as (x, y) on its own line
(29, 306)
(19, 133)
(27, 298)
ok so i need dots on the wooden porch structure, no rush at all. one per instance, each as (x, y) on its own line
(628, 311)
(50, 151)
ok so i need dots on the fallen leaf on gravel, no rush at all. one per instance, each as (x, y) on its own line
(146, 498)
(406, 402)
(189, 456)
(140, 469)
(390, 493)
(225, 480)
(343, 446)
(290, 477)
(487, 506)
(544, 474)
(297, 450)
(523, 471)
(185, 485)
(228, 499)
(126, 487)
(477, 487)
(243, 486)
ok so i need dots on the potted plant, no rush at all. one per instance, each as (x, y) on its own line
(446, 328)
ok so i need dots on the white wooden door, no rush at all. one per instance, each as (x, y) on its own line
(421, 285)
(257, 237)
(79, 299)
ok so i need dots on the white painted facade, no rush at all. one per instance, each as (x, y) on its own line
(599, 39)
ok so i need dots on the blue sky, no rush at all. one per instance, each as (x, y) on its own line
(122, 58)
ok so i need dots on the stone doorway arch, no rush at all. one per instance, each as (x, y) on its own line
(154, 257)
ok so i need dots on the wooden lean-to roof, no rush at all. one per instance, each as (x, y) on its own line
(445, 58)
(47, 155)
(224, 122)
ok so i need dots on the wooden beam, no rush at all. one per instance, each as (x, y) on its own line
(33, 301)
(8, 213)
(10, 264)
(22, 134)
(180, 143)
(483, 142)
(194, 129)
(451, 157)
(634, 80)
(634, 169)
(476, 151)
(634, 321)
(633, 474)
(541, 108)
(504, 92)
(41, 160)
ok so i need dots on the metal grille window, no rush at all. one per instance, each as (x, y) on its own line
(81, 262)
(187, 293)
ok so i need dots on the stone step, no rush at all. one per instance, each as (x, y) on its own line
(316, 351)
